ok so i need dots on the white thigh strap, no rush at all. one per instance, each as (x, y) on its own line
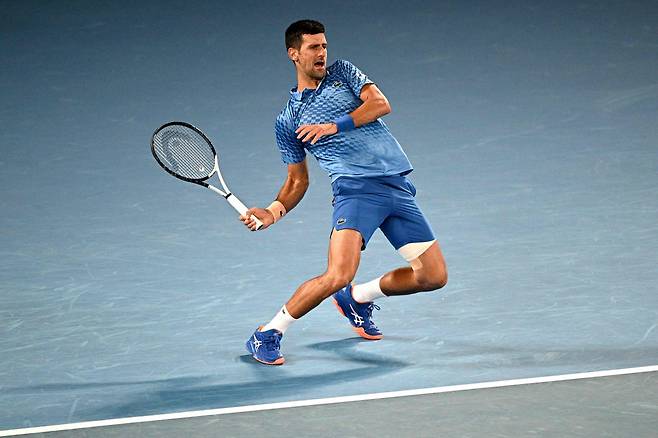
(412, 251)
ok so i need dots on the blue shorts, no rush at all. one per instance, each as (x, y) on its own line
(386, 202)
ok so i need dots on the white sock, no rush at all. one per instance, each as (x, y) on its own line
(366, 292)
(280, 322)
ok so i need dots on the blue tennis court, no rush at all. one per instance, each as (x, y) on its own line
(124, 292)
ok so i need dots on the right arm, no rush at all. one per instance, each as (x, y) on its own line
(291, 193)
(294, 188)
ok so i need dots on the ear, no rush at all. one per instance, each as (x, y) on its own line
(293, 54)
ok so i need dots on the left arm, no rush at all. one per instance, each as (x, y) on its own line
(374, 106)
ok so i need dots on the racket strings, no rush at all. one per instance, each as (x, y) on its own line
(184, 152)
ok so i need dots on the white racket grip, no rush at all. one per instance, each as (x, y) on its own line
(241, 208)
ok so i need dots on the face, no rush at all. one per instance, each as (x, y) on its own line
(311, 58)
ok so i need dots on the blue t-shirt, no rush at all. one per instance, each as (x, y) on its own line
(369, 150)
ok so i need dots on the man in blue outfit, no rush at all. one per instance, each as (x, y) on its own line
(334, 114)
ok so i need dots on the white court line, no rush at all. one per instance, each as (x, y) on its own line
(327, 401)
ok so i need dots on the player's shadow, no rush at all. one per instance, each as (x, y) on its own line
(272, 384)
(343, 349)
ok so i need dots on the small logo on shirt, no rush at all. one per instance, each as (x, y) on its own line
(337, 84)
(341, 221)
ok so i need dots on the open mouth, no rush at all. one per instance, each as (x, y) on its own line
(319, 64)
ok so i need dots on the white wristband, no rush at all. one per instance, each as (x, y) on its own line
(277, 209)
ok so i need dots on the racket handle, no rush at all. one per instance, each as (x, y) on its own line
(241, 208)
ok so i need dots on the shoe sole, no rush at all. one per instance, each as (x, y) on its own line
(279, 361)
(358, 330)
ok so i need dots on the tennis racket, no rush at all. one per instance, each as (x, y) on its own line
(186, 153)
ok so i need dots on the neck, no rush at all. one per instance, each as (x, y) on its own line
(305, 81)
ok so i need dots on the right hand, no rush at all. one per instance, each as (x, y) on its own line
(262, 214)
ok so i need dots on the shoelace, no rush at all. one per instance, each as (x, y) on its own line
(272, 341)
(370, 308)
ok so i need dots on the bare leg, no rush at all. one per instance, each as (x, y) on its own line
(344, 257)
(427, 272)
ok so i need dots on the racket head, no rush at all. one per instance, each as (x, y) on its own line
(184, 151)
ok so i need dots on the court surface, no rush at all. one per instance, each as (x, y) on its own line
(126, 293)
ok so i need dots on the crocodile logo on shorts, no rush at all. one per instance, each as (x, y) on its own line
(341, 221)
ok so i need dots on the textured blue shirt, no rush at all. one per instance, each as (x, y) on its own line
(369, 150)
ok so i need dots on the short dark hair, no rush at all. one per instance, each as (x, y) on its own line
(302, 27)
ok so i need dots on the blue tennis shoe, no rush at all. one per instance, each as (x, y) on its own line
(265, 347)
(359, 315)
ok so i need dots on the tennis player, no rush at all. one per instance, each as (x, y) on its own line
(334, 114)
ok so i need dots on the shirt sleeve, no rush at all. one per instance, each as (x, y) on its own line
(354, 77)
(291, 148)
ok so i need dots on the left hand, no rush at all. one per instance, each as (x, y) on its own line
(315, 132)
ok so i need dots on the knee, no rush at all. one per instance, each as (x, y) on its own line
(432, 279)
(337, 280)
